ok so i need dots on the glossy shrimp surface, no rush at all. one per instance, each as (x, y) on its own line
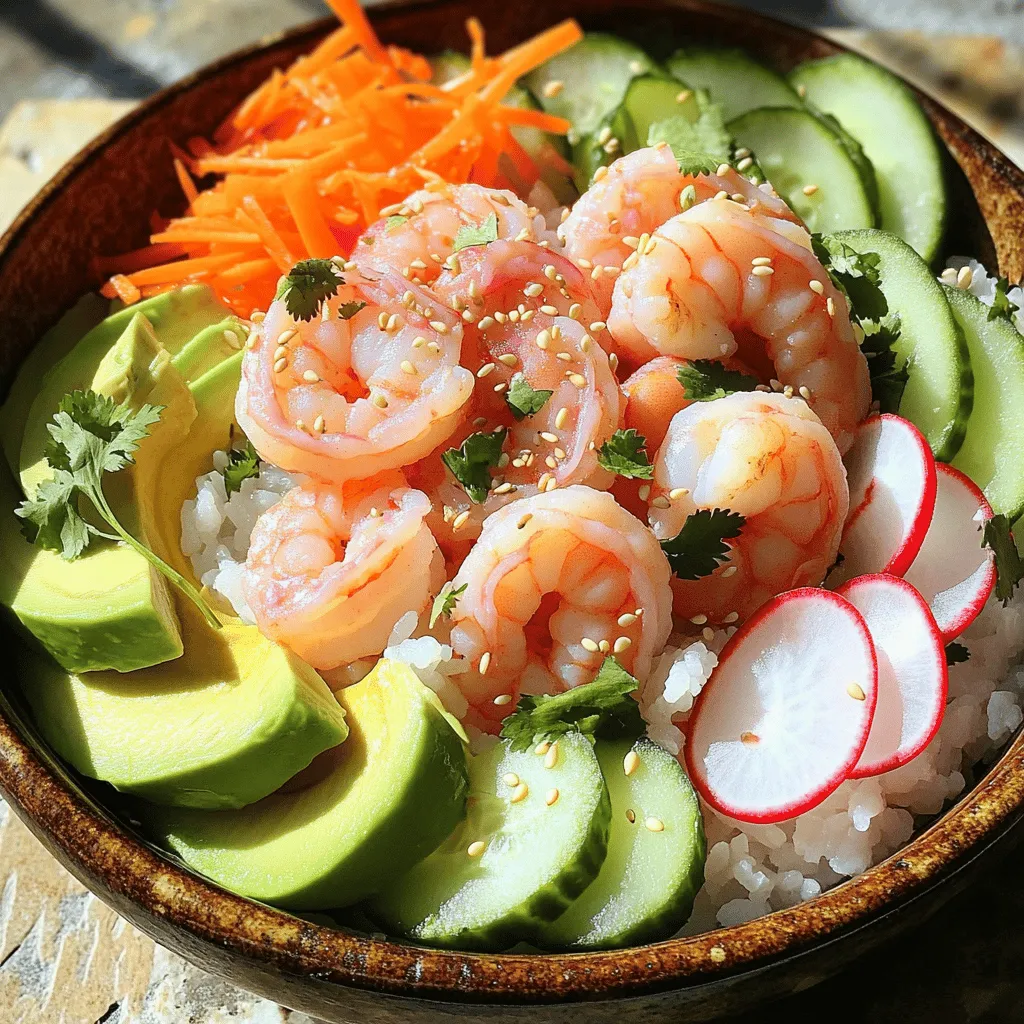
(714, 282)
(331, 569)
(339, 399)
(420, 234)
(555, 583)
(636, 195)
(770, 459)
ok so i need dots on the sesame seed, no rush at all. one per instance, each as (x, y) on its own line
(817, 287)
(300, 424)
(964, 277)
(586, 342)
(524, 520)
(551, 757)
(578, 380)
(559, 453)
(730, 570)
(548, 436)
(285, 336)
(257, 316)
(460, 520)
(439, 326)
(382, 320)
(250, 342)
(549, 310)
(612, 146)
(661, 502)
(232, 339)
(699, 620)
(655, 825)
(678, 492)
(604, 134)
(788, 391)
(520, 793)
(533, 289)
(589, 645)
(551, 797)
(556, 332)
(311, 376)
(621, 644)
(856, 692)
(645, 492)
(280, 365)
(630, 815)
(761, 261)
(319, 426)
(408, 368)
(561, 417)
(738, 197)
(762, 271)
(380, 401)
(626, 619)
(510, 779)
(468, 316)
(553, 88)
(550, 462)
(281, 352)
(503, 488)
(500, 387)
(476, 849)
(830, 305)
(731, 617)
(745, 164)
(500, 317)
(485, 659)
(723, 169)
(542, 748)
(419, 342)
(716, 953)
(574, 311)
(502, 699)
(776, 385)
(708, 633)
(597, 327)
(485, 370)
(809, 190)
(604, 646)
(508, 358)
(600, 173)
(749, 738)
(523, 236)
(687, 197)
(631, 762)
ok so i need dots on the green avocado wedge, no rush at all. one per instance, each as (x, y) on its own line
(359, 817)
(656, 850)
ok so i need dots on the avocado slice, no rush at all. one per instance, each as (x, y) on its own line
(109, 609)
(236, 715)
(210, 346)
(359, 817)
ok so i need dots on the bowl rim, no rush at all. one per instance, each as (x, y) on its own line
(123, 870)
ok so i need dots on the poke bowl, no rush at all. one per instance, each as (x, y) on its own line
(499, 515)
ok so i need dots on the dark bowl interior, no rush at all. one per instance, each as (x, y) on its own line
(100, 204)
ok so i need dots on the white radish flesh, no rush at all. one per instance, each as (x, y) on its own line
(891, 473)
(954, 571)
(912, 675)
(786, 714)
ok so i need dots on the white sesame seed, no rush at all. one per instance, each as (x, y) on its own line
(300, 424)
(809, 190)
(604, 646)
(311, 376)
(285, 336)
(830, 305)
(551, 797)
(508, 358)
(510, 779)
(730, 570)
(501, 387)
(476, 849)
(502, 699)
(280, 365)
(817, 287)
(597, 327)
(319, 426)
(561, 417)
(589, 645)
(503, 488)
(553, 88)
(805, 392)
(761, 261)
(855, 691)
(380, 401)
(460, 520)
(578, 380)
(964, 277)
(731, 618)
(723, 169)
(745, 164)
(485, 660)
(655, 825)
(408, 368)
(678, 492)
(439, 326)
(621, 644)
(485, 370)
(644, 492)
(762, 271)
(708, 633)
(630, 815)
(548, 436)
(626, 619)
(699, 620)
(520, 793)
(661, 502)
(631, 762)
(600, 173)
(551, 757)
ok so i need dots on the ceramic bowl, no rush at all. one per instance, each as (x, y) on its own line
(100, 203)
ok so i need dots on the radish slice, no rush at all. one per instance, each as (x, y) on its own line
(954, 571)
(786, 713)
(891, 473)
(913, 680)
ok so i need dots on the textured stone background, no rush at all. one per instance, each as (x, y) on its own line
(67, 959)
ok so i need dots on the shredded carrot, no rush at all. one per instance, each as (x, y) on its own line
(314, 154)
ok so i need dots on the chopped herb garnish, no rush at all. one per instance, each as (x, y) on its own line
(700, 546)
(704, 380)
(603, 708)
(395, 222)
(888, 380)
(307, 286)
(700, 146)
(1002, 308)
(956, 654)
(349, 309)
(1009, 566)
(444, 603)
(853, 273)
(524, 400)
(243, 463)
(471, 464)
(91, 436)
(623, 453)
(477, 234)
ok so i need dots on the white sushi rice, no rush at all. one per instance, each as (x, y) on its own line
(977, 280)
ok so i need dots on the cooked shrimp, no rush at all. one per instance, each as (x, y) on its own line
(715, 282)
(339, 399)
(770, 459)
(419, 235)
(525, 310)
(554, 583)
(637, 194)
(331, 569)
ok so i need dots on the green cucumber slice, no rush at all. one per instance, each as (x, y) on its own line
(796, 149)
(647, 884)
(940, 385)
(594, 76)
(884, 116)
(734, 79)
(537, 859)
(992, 453)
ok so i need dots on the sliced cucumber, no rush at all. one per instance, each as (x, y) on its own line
(884, 116)
(940, 386)
(537, 857)
(734, 79)
(992, 453)
(646, 886)
(593, 77)
(448, 65)
(796, 149)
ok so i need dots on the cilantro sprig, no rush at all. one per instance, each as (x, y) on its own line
(1009, 565)
(623, 453)
(444, 603)
(701, 146)
(956, 654)
(604, 708)
(855, 274)
(91, 436)
(1002, 308)
(705, 380)
(472, 462)
(524, 400)
(700, 546)
(888, 378)
(243, 463)
(477, 234)
(307, 286)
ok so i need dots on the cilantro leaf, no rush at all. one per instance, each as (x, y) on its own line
(699, 146)
(524, 400)
(602, 708)
(1009, 566)
(700, 546)
(308, 285)
(1002, 307)
(395, 222)
(853, 273)
(349, 309)
(471, 464)
(477, 234)
(91, 436)
(444, 603)
(704, 380)
(956, 654)
(623, 453)
(243, 463)
(888, 380)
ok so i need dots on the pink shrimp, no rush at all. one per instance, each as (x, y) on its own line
(554, 583)
(373, 383)
(715, 282)
(770, 459)
(331, 569)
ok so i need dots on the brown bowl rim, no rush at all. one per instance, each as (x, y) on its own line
(108, 858)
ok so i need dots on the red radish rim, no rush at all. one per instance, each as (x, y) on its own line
(843, 772)
(905, 555)
(973, 610)
(897, 760)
